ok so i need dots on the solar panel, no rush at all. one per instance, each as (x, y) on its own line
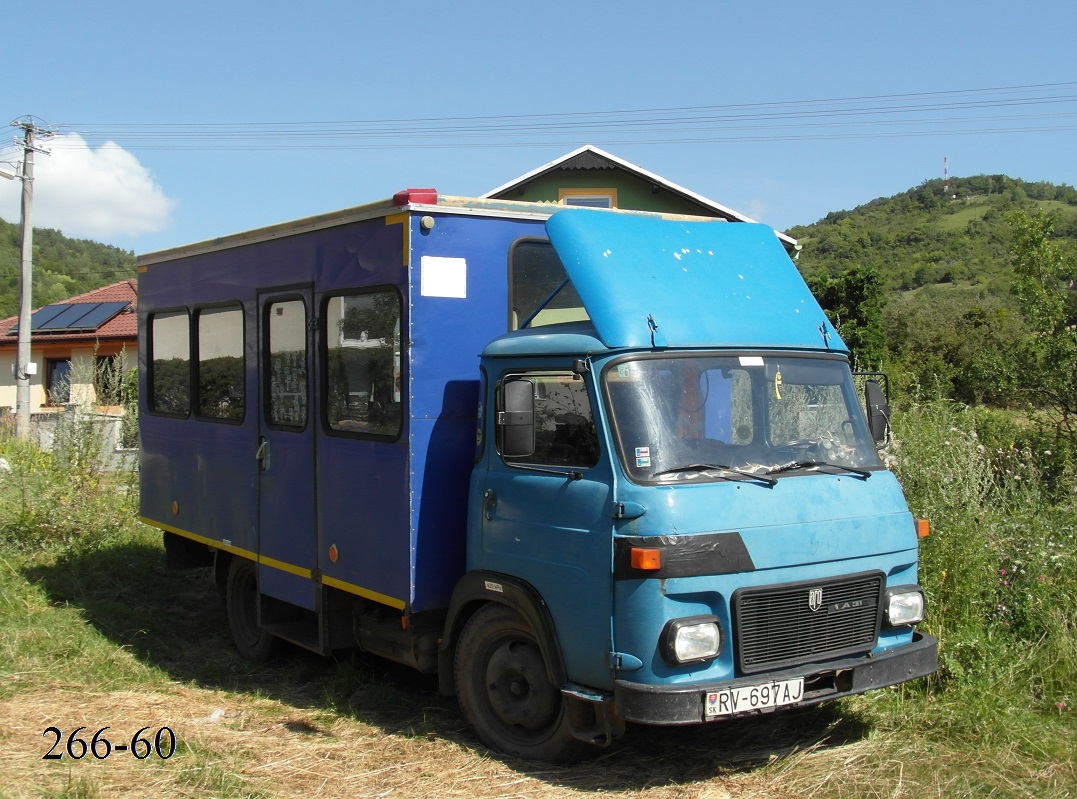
(72, 317)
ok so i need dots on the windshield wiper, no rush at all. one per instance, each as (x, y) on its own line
(715, 467)
(794, 465)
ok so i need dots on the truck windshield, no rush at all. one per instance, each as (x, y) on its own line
(722, 417)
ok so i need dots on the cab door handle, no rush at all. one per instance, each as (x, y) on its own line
(489, 503)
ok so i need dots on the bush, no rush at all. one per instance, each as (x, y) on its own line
(71, 496)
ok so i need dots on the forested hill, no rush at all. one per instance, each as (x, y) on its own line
(921, 284)
(928, 235)
(63, 267)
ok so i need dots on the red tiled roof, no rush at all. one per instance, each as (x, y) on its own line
(122, 325)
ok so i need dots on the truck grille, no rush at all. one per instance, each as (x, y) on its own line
(785, 625)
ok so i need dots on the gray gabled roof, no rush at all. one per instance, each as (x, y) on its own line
(591, 157)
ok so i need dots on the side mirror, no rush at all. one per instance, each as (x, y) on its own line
(517, 419)
(878, 408)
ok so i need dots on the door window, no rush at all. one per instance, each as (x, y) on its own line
(286, 337)
(564, 426)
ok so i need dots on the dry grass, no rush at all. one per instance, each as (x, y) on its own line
(236, 745)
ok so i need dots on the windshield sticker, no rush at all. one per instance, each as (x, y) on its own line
(643, 457)
(751, 360)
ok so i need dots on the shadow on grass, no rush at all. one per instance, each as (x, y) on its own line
(174, 621)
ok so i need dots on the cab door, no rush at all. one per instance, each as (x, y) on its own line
(285, 448)
(547, 516)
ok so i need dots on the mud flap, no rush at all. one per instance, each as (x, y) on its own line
(591, 715)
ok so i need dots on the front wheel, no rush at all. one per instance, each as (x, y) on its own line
(505, 692)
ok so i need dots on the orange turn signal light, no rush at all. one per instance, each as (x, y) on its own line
(646, 559)
(923, 528)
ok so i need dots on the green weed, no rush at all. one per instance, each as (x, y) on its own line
(1000, 572)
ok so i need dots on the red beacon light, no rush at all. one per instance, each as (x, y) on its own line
(416, 197)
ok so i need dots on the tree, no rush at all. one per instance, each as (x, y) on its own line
(1044, 274)
(853, 301)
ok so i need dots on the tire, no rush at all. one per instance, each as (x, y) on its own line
(241, 605)
(505, 693)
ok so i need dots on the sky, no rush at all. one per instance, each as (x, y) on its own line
(180, 122)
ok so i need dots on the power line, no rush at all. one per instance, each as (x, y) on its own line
(964, 111)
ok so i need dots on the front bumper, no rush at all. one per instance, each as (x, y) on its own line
(684, 704)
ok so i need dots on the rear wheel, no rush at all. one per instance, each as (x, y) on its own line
(505, 692)
(241, 604)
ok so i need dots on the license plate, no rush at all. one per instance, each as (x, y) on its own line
(745, 698)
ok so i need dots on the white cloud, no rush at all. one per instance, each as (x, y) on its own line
(88, 193)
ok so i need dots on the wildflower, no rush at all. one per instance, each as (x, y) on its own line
(1060, 705)
(1002, 572)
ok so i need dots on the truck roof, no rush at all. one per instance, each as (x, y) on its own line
(412, 200)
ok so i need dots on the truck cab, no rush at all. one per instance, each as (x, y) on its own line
(678, 513)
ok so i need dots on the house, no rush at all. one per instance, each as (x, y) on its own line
(593, 178)
(69, 342)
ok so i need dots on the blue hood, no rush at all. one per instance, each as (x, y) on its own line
(687, 283)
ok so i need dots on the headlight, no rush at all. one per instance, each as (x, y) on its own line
(904, 605)
(691, 640)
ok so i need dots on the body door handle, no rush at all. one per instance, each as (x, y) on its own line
(489, 503)
(262, 453)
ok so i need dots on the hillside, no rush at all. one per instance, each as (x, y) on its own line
(948, 323)
(921, 237)
(63, 267)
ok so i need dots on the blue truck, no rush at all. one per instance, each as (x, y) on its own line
(589, 467)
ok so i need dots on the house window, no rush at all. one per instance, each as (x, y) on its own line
(588, 198)
(58, 381)
(363, 375)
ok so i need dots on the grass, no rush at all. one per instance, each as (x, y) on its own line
(95, 632)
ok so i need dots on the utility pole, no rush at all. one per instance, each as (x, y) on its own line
(24, 366)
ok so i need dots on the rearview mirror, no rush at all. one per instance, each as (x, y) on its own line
(878, 409)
